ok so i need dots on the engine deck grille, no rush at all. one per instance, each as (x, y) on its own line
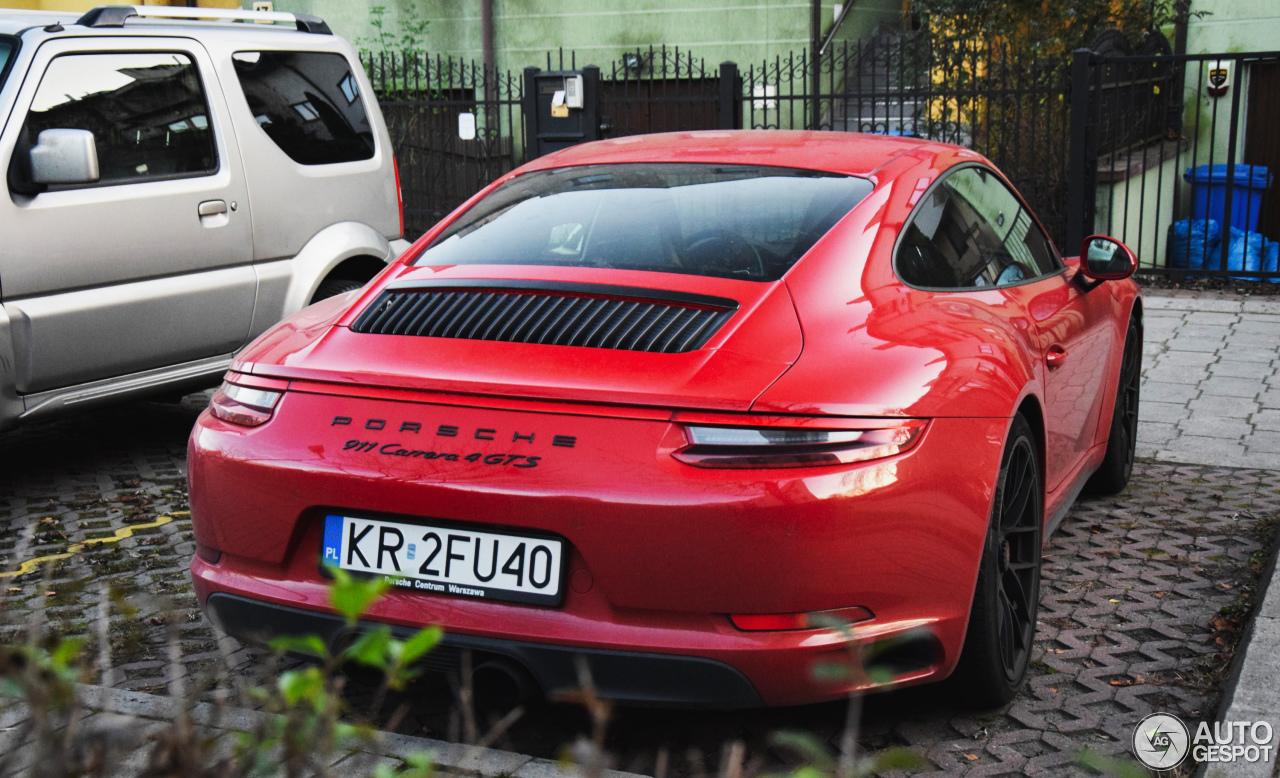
(593, 318)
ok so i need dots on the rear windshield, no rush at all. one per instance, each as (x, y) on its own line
(728, 221)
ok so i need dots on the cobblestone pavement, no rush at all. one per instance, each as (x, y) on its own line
(1211, 381)
(1132, 615)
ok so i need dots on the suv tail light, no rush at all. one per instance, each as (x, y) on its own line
(761, 447)
(248, 406)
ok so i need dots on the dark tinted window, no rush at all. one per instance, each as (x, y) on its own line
(972, 231)
(730, 221)
(6, 51)
(147, 112)
(308, 103)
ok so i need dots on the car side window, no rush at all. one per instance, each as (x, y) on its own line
(308, 103)
(972, 231)
(147, 112)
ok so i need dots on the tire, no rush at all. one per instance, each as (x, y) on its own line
(332, 287)
(1117, 465)
(1002, 622)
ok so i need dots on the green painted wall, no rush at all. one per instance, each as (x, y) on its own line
(743, 31)
(1234, 25)
(1230, 26)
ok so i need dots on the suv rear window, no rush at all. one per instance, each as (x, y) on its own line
(308, 102)
(728, 221)
(6, 51)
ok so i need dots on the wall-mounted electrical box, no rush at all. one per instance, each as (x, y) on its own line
(560, 108)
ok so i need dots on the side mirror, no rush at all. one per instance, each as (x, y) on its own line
(1106, 259)
(64, 157)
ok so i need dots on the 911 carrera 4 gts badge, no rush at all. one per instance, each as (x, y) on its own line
(397, 448)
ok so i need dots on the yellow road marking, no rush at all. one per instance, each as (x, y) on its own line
(76, 548)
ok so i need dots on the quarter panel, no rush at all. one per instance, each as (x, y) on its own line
(876, 347)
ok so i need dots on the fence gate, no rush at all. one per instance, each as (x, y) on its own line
(1177, 156)
(422, 99)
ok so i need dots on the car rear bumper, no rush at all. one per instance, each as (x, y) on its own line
(659, 553)
(627, 677)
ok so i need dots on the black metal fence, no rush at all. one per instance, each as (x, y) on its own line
(1011, 109)
(1123, 145)
(422, 98)
(1177, 157)
(663, 90)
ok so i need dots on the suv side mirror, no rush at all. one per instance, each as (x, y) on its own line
(1106, 259)
(64, 157)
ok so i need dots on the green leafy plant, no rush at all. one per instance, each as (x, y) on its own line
(412, 31)
(309, 727)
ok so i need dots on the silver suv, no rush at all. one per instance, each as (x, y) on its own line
(177, 181)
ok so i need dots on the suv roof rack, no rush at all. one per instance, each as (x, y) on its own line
(115, 16)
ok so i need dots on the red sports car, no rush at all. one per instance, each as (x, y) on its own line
(674, 404)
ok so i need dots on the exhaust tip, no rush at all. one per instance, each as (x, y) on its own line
(906, 654)
(502, 682)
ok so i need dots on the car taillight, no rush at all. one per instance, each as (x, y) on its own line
(399, 195)
(749, 447)
(769, 622)
(244, 405)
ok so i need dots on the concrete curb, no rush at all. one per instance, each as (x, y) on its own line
(1253, 692)
(449, 757)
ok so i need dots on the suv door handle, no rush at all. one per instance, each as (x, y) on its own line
(1056, 357)
(213, 207)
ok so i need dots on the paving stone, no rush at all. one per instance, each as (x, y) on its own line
(1231, 387)
(1205, 331)
(1176, 374)
(1234, 369)
(1194, 304)
(1187, 359)
(362, 765)
(1215, 427)
(1270, 398)
(1271, 329)
(1210, 345)
(1166, 412)
(1219, 405)
(1209, 317)
(1254, 340)
(1238, 353)
(1266, 419)
(1264, 441)
(1258, 689)
(1171, 393)
(1156, 433)
(1203, 447)
(1262, 306)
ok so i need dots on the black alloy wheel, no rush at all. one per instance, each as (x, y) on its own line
(1117, 465)
(1002, 622)
(1018, 559)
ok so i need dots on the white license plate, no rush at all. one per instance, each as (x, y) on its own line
(447, 560)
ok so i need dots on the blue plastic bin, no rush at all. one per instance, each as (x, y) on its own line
(1209, 193)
